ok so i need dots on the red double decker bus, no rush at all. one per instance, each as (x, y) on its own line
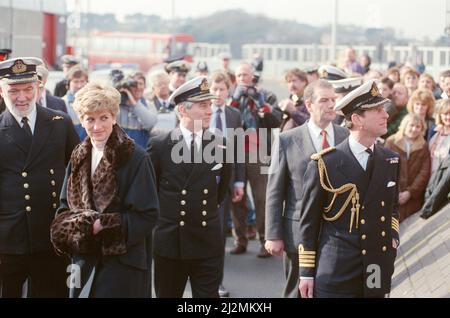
(143, 49)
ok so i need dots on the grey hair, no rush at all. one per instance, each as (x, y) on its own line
(311, 90)
(186, 104)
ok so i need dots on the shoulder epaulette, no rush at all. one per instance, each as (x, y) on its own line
(318, 155)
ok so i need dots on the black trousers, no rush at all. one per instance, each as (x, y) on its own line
(46, 274)
(171, 276)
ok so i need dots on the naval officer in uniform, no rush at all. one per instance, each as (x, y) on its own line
(188, 239)
(35, 146)
(349, 228)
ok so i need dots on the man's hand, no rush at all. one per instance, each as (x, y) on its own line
(394, 243)
(97, 227)
(238, 194)
(306, 288)
(131, 100)
(274, 247)
(287, 105)
(404, 197)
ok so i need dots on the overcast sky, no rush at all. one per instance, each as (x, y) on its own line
(414, 18)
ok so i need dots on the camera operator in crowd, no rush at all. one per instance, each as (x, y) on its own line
(259, 110)
(294, 109)
(135, 116)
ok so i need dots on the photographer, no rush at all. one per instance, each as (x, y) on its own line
(259, 110)
(135, 117)
(294, 109)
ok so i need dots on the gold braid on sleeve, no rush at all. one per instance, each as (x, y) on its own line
(353, 195)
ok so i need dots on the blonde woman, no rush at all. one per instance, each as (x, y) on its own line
(415, 162)
(422, 103)
(440, 142)
(108, 203)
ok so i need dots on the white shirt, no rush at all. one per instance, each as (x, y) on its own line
(212, 123)
(164, 103)
(96, 157)
(316, 136)
(31, 119)
(187, 135)
(359, 151)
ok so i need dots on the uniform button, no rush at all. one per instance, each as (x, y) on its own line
(204, 223)
(27, 197)
(54, 194)
(364, 237)
(364, 252)
(383, 233)
(181, 223)
(183, 202)
(53, 183)
(182, 213)
(184, 192)
(363, 221)
(204, 202)
(384, 248)
(383, 219)
(382, 203)
(26, 185)
(363, 207)
(205, 191)
(52, 171)
(204, 213)
(24, 174)
(28, 208)
(55, 205)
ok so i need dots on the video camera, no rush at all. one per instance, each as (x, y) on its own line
(246, 92)
(119, 82)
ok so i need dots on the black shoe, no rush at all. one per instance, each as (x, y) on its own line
(223, 293)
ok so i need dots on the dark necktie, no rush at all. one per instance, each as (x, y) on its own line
(193, 150)
(219, 120)
(325, 143)
(369, 166)
(26, 127)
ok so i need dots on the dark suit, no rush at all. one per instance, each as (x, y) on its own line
(159, 107)
(284, 189)
(188, 235)
(55, 103)
(344, 261)
(61, 88)
(233, 120)
(30, 183)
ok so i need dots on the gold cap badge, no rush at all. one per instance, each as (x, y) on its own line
(19, 67)
(204, 86)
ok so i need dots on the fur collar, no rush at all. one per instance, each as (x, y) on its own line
(399, 141)
(99, 192)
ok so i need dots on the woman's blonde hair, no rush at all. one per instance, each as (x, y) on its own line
(411, 117)
(422, 96)
(444, 107)
(96, 97)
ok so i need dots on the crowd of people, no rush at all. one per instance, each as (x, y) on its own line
(88, 176)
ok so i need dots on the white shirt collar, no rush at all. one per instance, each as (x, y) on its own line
(187, 135)
(356, 147)
(316, 130)
(31, 119)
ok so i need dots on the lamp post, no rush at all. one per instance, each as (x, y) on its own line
(334, 31)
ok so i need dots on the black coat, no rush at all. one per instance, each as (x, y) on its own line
(189, 224)
(30, 182)
(139, 210)
(340, 260)
(438, 190)
(55, 103)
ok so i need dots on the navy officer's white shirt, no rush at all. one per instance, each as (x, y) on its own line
(31, 119)
(359, 151)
